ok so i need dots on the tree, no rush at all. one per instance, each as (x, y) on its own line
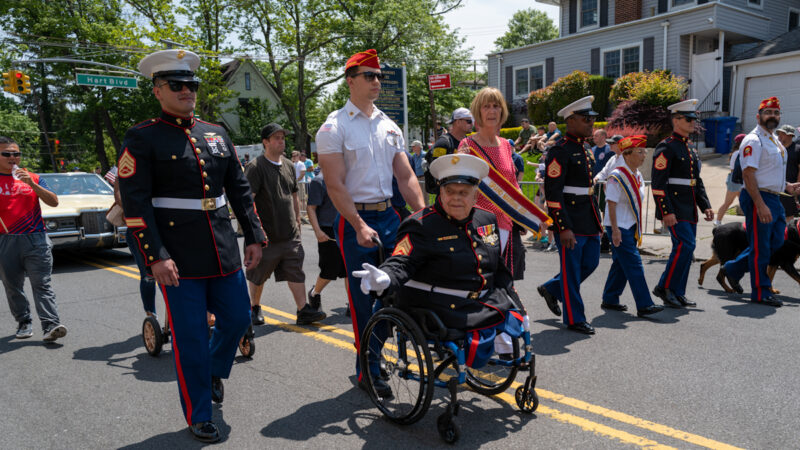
(526, 27)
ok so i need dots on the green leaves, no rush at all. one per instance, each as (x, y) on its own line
(527, 26)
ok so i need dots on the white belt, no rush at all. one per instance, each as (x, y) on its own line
(205, 204)
(682, 181)
(576, 190)
(440, 290)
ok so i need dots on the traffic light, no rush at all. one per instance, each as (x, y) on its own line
(9, 81)
(56, 143)
(23, 83)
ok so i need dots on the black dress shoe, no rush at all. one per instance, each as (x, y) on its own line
(381, 388)
(614, 306)
(581, 327)
(217, 390)
(771, 301)
(647, 310)
(551, 301)
(205, 431)
(685, 301)
(257, 315)
(667, 297)
(722, 275)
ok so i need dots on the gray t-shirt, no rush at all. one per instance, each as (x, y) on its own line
(318, 196)
(274, 186)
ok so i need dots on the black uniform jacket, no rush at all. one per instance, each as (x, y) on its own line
(445, 145)
(187, 159)
(568, 163)
(673, 159)
(438, 250)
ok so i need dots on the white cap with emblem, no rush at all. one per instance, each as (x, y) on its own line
(173, 64)
(686, 107)
(459, 168)
(582, 107)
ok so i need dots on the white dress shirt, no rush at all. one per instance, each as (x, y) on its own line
(626, 217)
(613, 162)
(761, 150)
(368, 144)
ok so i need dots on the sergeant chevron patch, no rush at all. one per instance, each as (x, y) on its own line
(126, 164)
(403, 247)
(554, 169)
(661, 162)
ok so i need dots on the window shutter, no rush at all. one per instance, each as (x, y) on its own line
(595, 70)
(548, 71)
(509, 84)
(648, 54)
(662, 6)
(573, 16)
(603, 13)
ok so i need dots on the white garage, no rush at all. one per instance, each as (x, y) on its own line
(753, 80)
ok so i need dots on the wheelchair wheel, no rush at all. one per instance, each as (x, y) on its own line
(247, 344)
(393, 342)
(494, 378)
(448, 430)
(527, 399)
(152, 336)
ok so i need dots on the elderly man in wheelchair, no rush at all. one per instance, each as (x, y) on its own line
(447, 299)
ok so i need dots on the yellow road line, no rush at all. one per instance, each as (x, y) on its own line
(583, 423)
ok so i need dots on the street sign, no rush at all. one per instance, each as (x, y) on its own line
(85, 79)
(441, 81)
(390, 100)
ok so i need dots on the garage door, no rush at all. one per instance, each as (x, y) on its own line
(785, 86)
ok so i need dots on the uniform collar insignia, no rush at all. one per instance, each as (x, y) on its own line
(183, 122)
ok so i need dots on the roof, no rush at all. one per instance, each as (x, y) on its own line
(229, 68)
(787, 42)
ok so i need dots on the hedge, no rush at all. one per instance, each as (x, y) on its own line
(513, 133)
(658, 88)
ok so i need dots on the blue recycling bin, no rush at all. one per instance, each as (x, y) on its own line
(719, 133)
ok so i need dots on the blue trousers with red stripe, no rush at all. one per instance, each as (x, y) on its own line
(362, 305)
(676, 274)
(764, 239)
(626, 267)
(576, 265)
(196, 357)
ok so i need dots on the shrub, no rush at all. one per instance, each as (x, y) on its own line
(600, 87)
(620, 91)
(538, 109)
(566, 90)
(659, 88)
(633, 117)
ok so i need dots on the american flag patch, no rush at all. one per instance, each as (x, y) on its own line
(325, 127)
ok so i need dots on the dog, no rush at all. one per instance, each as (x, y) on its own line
(730, 240)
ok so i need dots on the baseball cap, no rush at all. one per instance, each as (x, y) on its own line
(787, 129)
(614, 139)
(460, 113)
(271, 129)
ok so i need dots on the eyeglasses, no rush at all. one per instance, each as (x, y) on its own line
(469, 121)
(371, 76)
(589, 119)
(11, 154)
(177, 86)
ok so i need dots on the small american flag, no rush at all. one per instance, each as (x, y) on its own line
(111, 175)
(326, 127)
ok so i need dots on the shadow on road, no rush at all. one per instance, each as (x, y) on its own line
(142, 366)
(555, 339)
(10, 343)
(182, 438)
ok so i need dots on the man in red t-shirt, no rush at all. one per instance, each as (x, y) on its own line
(25, 246)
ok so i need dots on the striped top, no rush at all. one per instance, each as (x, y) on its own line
(502, 160)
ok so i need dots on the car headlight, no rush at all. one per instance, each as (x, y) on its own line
(51, 225)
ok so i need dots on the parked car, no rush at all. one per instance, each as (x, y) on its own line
(79, 220)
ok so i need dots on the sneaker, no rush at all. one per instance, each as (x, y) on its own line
(314, 300)
(54, 332)
(717, 223)
(308, 315)
(257, 315)
(551, 248)
(25, 330)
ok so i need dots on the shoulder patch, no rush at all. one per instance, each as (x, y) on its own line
(554, 169)
(747, 151)
(126, 164)
(660, 162)
(439, 151)
(403, 247)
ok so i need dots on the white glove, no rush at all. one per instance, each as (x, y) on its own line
(372, 279)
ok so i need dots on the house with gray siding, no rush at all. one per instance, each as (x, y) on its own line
(691, 38)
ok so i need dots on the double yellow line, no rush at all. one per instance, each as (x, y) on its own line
(326, 334)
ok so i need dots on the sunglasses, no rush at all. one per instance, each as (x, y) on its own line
(469, 121)
(371, 76)
(689, 119)
(177, 86)
(11, 154)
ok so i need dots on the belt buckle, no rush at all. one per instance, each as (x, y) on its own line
(692, 182)
(209, 204)
(382, 206)
(473, 295)
(591, 190)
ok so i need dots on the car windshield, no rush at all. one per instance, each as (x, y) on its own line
(84, 184)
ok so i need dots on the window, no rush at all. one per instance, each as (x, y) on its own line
(794, 18)
(527, 79)
(754, 3)
(247, 81)
(676, 3)
(588, 13)
(622, 60)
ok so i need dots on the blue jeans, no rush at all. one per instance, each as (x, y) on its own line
(626, 267)
(31, 254)
(147, 284)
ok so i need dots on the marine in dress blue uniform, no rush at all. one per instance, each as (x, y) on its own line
(360, 148)
(569, 189)
(175, 172)
(763, 160)
(678, 192)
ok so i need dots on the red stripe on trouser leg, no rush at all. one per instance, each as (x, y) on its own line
(473, 348)
(757, 287)
(674, 261)
(356, 331)
(565, 285)
(178, 368)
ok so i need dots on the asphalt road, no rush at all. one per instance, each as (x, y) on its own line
(721, 375)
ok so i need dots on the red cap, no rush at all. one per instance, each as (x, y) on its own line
(738, 138)
(637, 140)
(367, 58)
(771, 102)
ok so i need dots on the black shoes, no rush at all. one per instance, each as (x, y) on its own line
(551, 301)
(667, 297)
(581, 327)
(614, 307)
(382, 389)
(308, 315)
(685, 302)
(257, 315)
(314, 300)
(205, 432)
(217, 390)
(652, 309)
(771, 301)
(722, 275)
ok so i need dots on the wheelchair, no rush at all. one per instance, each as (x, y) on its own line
(154, 337)
(412, 351)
